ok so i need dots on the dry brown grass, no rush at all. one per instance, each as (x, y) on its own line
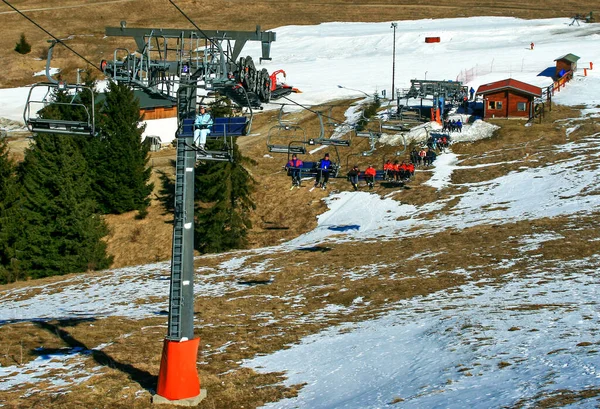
(259, 319)
(87, 20)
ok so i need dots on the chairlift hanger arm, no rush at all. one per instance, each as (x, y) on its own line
(240, 37)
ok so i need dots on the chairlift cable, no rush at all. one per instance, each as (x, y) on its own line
(196, 26)
(313, 111)
(51, 35)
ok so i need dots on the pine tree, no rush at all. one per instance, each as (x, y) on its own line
(223, 214)
(8, 200)
(7, 170)
(120, 159)
(60, 230)
(23, 47)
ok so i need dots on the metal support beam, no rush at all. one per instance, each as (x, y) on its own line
(181, 297)
(241, 37)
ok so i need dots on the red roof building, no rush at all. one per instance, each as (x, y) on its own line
(508, 99)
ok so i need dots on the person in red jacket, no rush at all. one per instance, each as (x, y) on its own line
(402, 171)
(411, 169)
(396, 170)
(370, 173)
(388, 170)
(294, 168)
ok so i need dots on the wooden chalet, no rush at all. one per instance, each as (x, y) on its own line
(565, 64)
(508, 98)
(152, 106)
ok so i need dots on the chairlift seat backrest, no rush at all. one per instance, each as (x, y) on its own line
(234, 126)
(310, 169)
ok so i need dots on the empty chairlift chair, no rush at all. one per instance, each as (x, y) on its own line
(286, 137)
(48, 104)
(338, 141)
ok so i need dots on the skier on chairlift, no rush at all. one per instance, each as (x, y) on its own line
(202, 126)
(293, 168)
(353, 176)
(323, 172)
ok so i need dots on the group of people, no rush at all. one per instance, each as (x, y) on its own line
(395, 171)
(324, 167)
(294, 168)
(369, 174)
(423, 157)
(452, 125)
(398, 171)
(437, 143)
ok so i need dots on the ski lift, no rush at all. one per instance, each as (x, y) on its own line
(392, 120)
(321, 140)
(284, 131)
(38, 118)
(219, 144)
(37, 114)
(373, 133)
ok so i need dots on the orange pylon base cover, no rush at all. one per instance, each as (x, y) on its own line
(178, 376)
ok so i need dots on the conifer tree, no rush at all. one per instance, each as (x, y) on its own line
(119, 158)
(7, 170)
(8, 199)
(223, 214)
(60, 230)
(23, 47)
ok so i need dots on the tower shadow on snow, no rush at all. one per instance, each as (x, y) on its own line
(143, 378)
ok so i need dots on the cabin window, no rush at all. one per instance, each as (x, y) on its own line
(495, 105)
(521, 106)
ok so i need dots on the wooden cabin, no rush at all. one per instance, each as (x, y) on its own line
(508, 98)
(565, 64)
(154, 106)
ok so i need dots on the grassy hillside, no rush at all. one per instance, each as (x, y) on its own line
(83, 22)
(268, 308)
(230, 324)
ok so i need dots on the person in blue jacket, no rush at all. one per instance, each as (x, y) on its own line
(323, 172)
(202, 126)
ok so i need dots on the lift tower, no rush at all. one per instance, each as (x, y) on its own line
(175, 64)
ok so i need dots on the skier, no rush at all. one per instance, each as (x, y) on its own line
(323, 172)
(202, 126)
(388, 169)
(370, 173)
(294, 168)
(353, 176)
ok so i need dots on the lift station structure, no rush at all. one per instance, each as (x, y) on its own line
(176, 64)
